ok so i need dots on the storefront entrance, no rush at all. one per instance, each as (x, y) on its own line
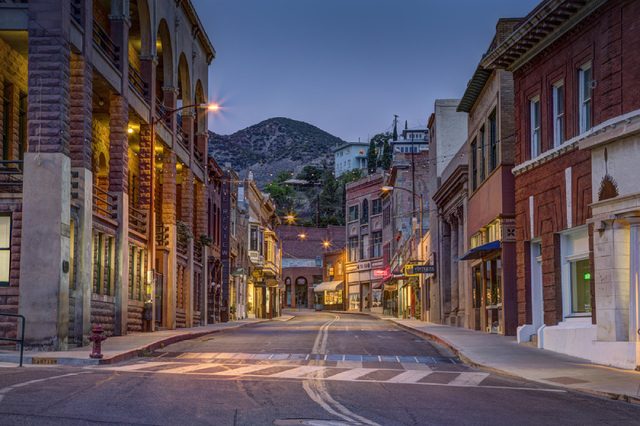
(301, 293)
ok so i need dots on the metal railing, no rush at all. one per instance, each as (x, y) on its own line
(197, 253)
(16, 340)
(76, 11)
(137, 83)
(104, 204)
(138, 220)
(182, 136)
(182, 246)
(198, 155)
(11, 174)
(161, 112)
(105, 44)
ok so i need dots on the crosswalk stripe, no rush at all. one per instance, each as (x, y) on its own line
(298, 371)
(410, 376)
(469, 379)
(187, 369)
(242, 370)
(351, 374)
(141, 366)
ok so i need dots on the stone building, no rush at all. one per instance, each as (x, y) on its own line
(365, 265)
(576, 90)
(488, 100)
(264, 278)
(448, 133)
(103, 210)
(302, 260)
(218, 251)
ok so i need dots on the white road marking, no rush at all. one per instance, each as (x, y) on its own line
(351, 374)
(139, 366)
(241, 371)
(468, 379)
(8, 389)
(298, 372)
(409, 376)
(186, 369)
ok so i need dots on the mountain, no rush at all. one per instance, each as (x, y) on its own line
(271, 146)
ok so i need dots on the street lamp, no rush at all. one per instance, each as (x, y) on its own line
(302, 236)
(326, 244)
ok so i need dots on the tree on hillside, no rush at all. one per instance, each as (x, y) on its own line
(381, 141)
(311, 173)
(372, 157)
(281, 193)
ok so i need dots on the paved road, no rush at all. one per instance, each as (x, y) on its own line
(317, 369)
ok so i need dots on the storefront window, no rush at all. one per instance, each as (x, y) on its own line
(476, 277)
(5, 249)
(354, 297)
(353, 249)
(580, 286)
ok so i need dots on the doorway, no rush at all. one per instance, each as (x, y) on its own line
(537, 301)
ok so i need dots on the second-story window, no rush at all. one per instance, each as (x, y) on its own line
(353, 213)
(364, 247)
(253, 238)
(353, 249)
(364, 217)
(376, 244)
(557, 95)
(376, 206)
(493, 142)
(534, 113)
(585, 77)
(474, 164)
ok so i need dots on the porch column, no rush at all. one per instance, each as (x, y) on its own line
(169, 222)
(187, 126)
(445, 268)
(455, 297)
(45, 246)
(462, 278)
(170, 96)
(119, 187)
(634, 283)
(148, 64)
(188, 218)
(120, 24)
(81, 151)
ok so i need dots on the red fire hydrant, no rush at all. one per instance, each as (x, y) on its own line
(97, 337)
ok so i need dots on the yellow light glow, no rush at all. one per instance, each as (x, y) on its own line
(213, 107)
(302, 236)
(290, 218)
(326, 244)
(130, 130)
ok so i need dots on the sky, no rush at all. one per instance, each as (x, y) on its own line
(346, 66)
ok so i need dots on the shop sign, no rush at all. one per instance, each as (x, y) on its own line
(424, 269)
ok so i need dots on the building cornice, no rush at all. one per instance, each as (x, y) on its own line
(544, 25)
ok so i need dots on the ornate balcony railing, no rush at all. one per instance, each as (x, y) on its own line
(182, 246)
(137, 83)
(138, 220)
(162, 235)
(104, 204)
(161, 112)
(104, 43)
(198, 155)
(197, 253)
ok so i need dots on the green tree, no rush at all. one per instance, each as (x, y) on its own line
(281, 193)
(372, 157)
(385, 157)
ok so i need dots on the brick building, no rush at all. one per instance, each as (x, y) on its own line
(570, 83)
(302, 260)
(218, 235)
(102, 211)
(365, 265)
(490, 219)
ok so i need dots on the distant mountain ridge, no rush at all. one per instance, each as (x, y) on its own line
(273, 145)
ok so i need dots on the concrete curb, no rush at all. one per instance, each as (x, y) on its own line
(465, 359)
(128, 354)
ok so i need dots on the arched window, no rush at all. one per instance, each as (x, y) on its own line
(364, 218)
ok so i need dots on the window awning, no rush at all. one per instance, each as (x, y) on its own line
(483, 250)
(328, 286)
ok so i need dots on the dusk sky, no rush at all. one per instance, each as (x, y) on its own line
(345, 66)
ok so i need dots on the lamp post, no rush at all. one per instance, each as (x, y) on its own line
(214, 107)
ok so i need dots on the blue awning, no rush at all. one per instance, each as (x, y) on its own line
(478, 252)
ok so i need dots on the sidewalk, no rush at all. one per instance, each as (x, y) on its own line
(121, 348)
(504, 355)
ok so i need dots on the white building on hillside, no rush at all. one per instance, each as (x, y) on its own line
(350, 156)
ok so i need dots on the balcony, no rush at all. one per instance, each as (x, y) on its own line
(105, 205)
(161, 113)
(182, 136)
(182, 247)
(198, 155)
(138, 221)
(197, 253)
(137, 83)
(11, 174)
(105, 45)
(76, 11)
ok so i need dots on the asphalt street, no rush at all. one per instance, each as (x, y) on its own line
(316, 369)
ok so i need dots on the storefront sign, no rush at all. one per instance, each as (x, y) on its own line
(424, 269)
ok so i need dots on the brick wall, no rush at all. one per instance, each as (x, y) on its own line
(81, 90)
